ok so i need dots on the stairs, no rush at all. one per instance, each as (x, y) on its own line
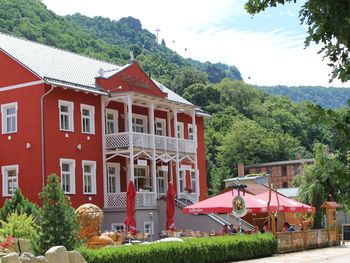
(222, 219)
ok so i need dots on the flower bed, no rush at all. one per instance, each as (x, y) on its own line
(212, 249)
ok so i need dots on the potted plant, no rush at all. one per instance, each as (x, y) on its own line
(188, 189)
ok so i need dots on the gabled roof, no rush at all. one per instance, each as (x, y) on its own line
(60, 67)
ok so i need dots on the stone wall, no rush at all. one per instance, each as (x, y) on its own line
(58, 254)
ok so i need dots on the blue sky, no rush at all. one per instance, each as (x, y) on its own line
(267, 48)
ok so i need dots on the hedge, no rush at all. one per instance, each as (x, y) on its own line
(206, 250)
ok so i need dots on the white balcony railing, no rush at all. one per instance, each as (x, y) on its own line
(143, 199)
(145, 140)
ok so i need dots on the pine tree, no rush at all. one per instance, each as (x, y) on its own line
(57, 220)
(17, 203)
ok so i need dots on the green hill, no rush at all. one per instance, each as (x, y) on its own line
(331, 97)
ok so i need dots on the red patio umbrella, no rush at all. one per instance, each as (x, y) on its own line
(170, 207)
(286, 204)
(130, 222)
(222, 204)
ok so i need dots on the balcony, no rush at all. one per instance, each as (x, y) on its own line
(143, 199)
(148, 141)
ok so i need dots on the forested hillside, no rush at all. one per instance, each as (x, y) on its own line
(247, 124)
(331, 98)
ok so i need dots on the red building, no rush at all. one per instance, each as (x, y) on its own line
(96, 125)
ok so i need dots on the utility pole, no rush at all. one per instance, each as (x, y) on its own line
(157, 30)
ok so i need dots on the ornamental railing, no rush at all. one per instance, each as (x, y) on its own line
(148, 141)
(143, 199)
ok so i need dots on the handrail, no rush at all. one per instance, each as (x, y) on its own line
(243, 222)
(213, 216)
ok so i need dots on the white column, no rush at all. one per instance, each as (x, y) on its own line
(104, 168)
(177, 153)
(195, 153)
(131, 145)
(168, 124)
(153, 171)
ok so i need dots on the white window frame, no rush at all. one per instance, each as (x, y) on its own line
(150, 227)
(115, 225)
(182, 180)
(146, 177)
(5, 179)
(164, 179)
(193, 180)
(70, 114)
(92, 174)
(4, 117)
(116, 166)
(162, 129)
(145, 122)
(190, 134)
(71, 162)
(113, 122)
(180, 130)
(91, 118)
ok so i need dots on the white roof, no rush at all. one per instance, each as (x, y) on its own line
(61, 67)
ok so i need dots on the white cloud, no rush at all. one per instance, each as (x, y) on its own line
(268, 58)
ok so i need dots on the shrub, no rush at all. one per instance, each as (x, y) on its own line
(17, 203)
(204, 250)
(57, 220)
(19, 226)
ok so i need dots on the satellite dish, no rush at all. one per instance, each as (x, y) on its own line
(101, 72)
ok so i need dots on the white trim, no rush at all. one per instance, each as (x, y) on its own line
(93, 176)
(4, 170)
(4, 107)
(115, 119)
(70, 106)
(91, 110)
(145, 121)
(117, 176)
(71, 163)
(22, 85)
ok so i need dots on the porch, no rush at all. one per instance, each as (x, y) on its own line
(145, 141)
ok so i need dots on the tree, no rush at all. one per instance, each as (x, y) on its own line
(320, 181)
(328, 24)
(186, 77)
(202, 95)
(19, 204)
(57, 219)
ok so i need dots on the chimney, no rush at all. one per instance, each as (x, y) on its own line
(240, 169)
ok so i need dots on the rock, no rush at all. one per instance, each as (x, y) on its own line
(26, 257)
(57, 254)
(75, 257)
(10, 258)
(24, 245)
(41, 259)
(171, 239)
